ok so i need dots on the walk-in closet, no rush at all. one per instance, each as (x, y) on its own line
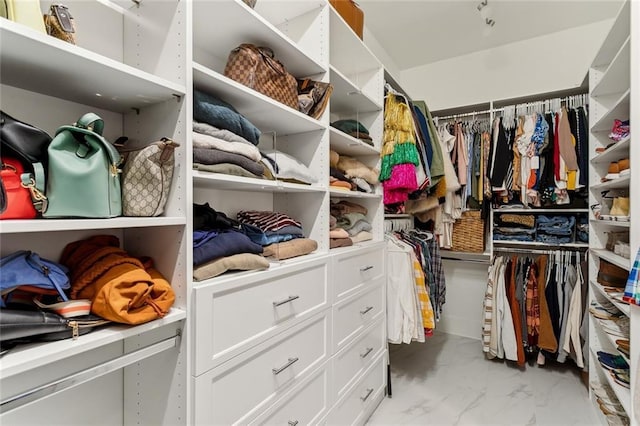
(319, 212)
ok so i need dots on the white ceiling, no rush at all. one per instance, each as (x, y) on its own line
(424, 31)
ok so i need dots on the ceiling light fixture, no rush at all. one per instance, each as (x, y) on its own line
(486, 12)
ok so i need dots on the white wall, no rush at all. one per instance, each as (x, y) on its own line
(466, 285)
(544, 64)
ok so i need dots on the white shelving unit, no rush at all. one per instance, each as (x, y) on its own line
(282, 364)
(612, 85)
(119, 70)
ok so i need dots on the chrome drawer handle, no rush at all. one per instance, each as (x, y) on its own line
(287, 300)
(289, 363)
(366, 352)
(369, 392)
(366, 268)
(367, 309)
(292, 422)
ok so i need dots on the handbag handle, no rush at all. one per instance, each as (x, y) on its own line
(91, 121)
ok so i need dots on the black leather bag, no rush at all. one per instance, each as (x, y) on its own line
(28, 144)
(25, 326)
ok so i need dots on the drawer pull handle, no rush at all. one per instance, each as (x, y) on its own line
(366, 268)
(289, 363)
(287, 300)
(292, 422)
(367, 309)
(369, 392)
(366, 352)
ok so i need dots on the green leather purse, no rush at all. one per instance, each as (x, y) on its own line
(83, 178)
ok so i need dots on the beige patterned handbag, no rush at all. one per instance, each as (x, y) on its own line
(146, 178)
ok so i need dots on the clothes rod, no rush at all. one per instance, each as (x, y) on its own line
(466, 114)
(88, 374)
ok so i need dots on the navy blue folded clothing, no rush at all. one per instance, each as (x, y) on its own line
(265, 238)
(211, 110)
(226, 243)
(552, 239)
(202, 237)
(514, 237)
(505, 230)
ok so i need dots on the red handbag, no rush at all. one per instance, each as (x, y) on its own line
(18, 198)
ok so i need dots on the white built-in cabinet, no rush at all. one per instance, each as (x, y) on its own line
(302, 342)
(128, 67)
(613, 87)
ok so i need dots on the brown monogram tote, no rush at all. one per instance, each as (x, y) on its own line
(256, 67)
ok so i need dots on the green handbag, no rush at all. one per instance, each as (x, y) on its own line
(83, 178)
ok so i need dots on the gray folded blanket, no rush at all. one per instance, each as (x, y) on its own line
(227, 169)
(216, 156)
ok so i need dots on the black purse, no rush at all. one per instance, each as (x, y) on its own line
(28, 144)
(25, 326)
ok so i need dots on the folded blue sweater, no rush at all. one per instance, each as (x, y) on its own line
(211, 110)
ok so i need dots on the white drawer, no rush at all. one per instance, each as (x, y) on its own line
(352, 270)
(241, 388)
(361, 399)
(355, 313)
(232, 315)
(305, 404)
(357, 356)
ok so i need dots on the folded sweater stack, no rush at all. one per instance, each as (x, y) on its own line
(351, 174)
(348, 224)
(281, 235)
(220, 244)
(224, 141)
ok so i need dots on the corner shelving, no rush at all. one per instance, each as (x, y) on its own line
(613, 97)
(240, 183)
(348, 96)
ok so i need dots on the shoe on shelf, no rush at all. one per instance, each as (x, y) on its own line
(623, 249)
(617, 420)
(618, 327)
(624, 351)
(623, 167)
(612, 361)
(608, 312)
(623, 343)
(610, 409)
(611, 275)
(621, 377)
(620, 130)
(613, 172)
(620, 207)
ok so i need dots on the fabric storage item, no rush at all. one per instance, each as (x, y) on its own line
(257, 68)
(468, 233)
(211, 110)
(351, 13)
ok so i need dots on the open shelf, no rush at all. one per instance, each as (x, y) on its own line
(265, 113)
(56, 68)
(241, 183)
(610, 256)
(611, 223)
(348, 145)
(619, 32)
(615, 152)
(616, 77)
(26, 357)
(623, 394)
(619, 110)
(622, 307)
(241, 24)
(338, 193)
(347, 97)
(465, 256)
(46, 225)
(346, 45)
(538, 244)
(620, 183)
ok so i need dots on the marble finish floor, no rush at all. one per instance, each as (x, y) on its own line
(447, 381)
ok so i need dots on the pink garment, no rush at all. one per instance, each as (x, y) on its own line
(338, 233)
(401, 182)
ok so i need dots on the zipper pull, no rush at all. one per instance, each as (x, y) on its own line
(74, 326)
(45, 270)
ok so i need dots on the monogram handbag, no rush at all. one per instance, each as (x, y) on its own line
(257, 68)
(83, 178)
(60, 24)
(146, 177)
